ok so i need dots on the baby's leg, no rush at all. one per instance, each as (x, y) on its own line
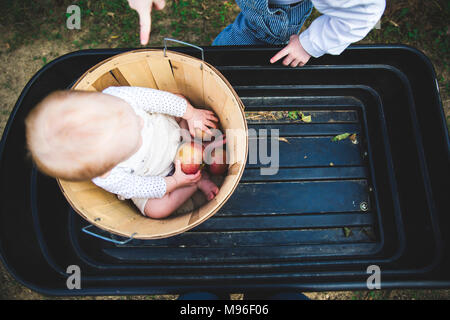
(163, 207)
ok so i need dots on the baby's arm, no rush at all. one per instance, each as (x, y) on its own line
(150, 100)
(129, 185)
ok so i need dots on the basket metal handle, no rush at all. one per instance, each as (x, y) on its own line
(85, 230)
(185, 43)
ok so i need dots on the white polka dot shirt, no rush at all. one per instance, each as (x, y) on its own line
(123, 181)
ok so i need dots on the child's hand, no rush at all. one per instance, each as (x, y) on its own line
(296, 55)
(180, 179)
(199, 118)
(144, 10)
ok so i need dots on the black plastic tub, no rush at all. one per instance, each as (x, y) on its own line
(332, 209)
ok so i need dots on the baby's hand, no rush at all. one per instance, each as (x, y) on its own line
(296, 55)
(199, 118)
(183, 179)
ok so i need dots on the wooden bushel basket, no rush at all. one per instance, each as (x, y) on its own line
(203, 85)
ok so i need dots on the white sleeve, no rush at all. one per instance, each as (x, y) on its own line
(150, 100)
(342, 23)
(130, 185)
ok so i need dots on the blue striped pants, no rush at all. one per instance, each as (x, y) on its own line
(257, 23)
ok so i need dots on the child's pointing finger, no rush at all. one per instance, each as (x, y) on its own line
(280, 54)
(145, 23)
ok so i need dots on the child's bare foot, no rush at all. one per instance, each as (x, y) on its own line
(207, 186)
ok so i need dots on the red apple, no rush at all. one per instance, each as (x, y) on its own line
(218, 162)
(191, 156)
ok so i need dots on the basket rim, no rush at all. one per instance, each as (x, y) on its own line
(218, 205)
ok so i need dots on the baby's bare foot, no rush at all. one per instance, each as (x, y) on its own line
(207, 187)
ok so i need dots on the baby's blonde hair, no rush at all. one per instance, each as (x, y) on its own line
(67, 132)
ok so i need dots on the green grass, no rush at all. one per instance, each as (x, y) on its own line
(112, 23)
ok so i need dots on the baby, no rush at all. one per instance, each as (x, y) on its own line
(125, 139)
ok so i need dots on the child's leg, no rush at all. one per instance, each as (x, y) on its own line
(237, 33)
(163, 207)
(259, 24)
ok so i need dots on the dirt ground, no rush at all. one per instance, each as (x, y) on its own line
(17, 68)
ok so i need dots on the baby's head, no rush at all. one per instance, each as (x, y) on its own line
(79, 135)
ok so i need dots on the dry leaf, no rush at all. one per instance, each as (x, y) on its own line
(306, 118)
(284, 140)
(347, 232)
(279, 115)
(303, 117)
(393, 23)
(252, 118)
